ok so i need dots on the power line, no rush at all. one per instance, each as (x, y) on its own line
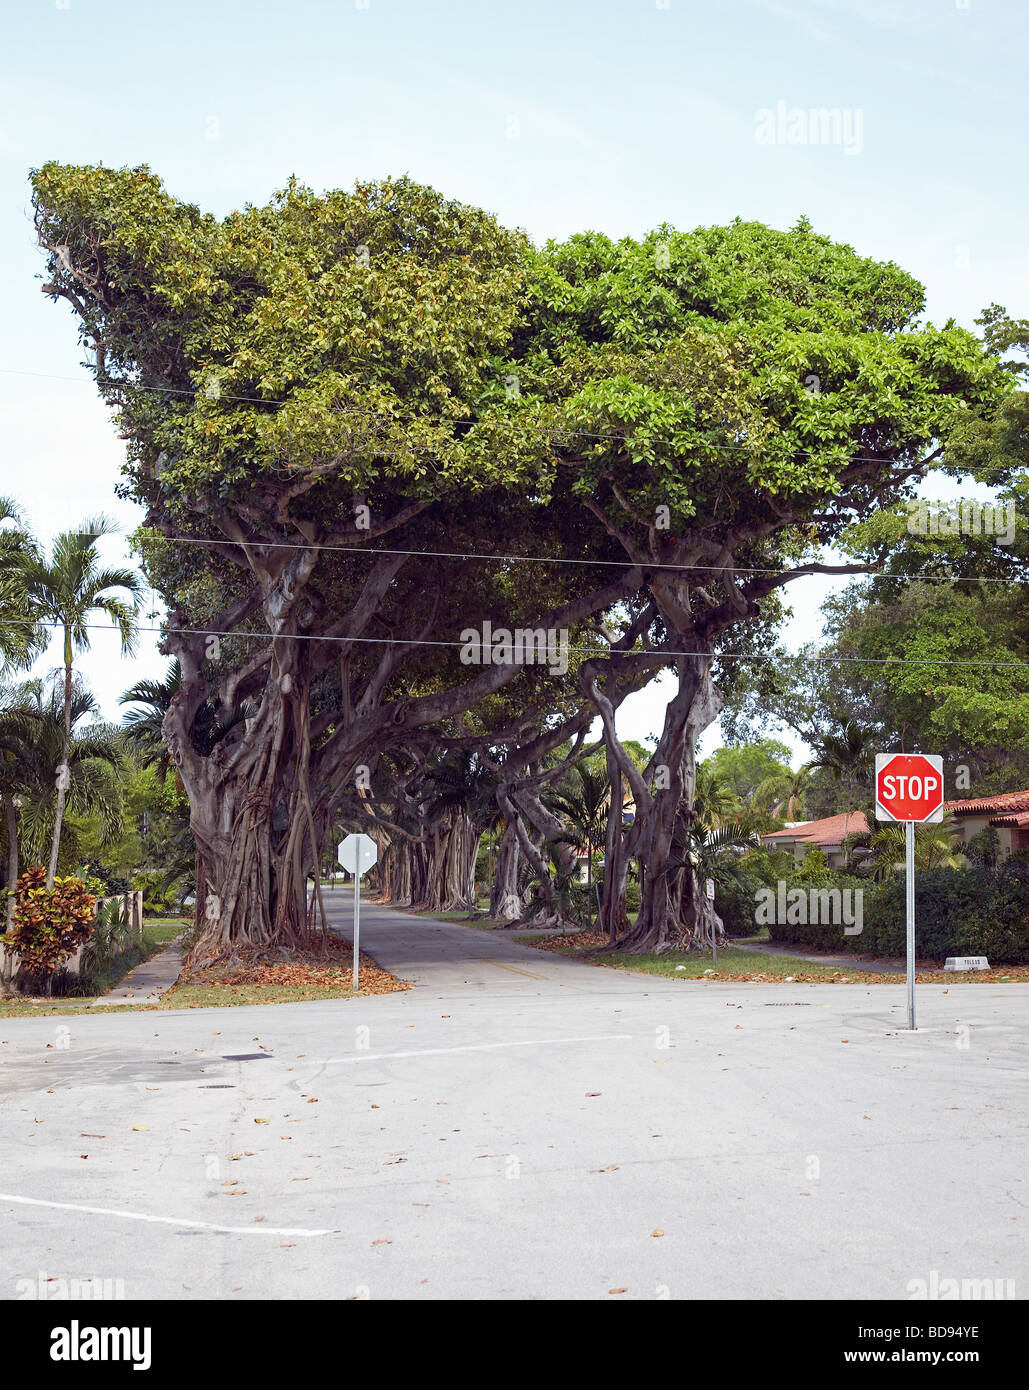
(589, 651)
(560, 560)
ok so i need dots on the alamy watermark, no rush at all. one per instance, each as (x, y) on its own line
(521, 646)
(963, 518)
(816, 125)
(975, 1289)
(811, 906)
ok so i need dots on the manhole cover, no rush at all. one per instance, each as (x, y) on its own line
(247, 1057)
(212, 1086)
(788, 1004)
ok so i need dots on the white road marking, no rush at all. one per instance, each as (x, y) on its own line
(165, 1220)
(471, 1047)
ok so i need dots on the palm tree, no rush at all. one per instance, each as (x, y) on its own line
(848, 756)
(67, 592)
(714, 799)
(144, 727)
(583, 801)
(783, 793)
(935, 848)
(16, 767)
(92, 759)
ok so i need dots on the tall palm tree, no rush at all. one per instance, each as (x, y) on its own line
(783, 793)
(67, 591)
(848, 756)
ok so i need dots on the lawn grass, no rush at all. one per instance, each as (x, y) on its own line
(756, 966)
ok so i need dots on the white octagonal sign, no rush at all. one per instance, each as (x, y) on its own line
(358, 853)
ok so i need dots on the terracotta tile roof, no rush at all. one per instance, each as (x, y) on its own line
(827, 831)
(1004, 804)
(1019, 819)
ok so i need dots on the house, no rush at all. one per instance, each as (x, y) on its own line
(826, 834)
(1007, 813)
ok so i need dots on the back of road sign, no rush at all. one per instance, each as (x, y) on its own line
(358, 853)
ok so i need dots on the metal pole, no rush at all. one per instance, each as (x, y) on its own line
(910, 848)
(357, 929)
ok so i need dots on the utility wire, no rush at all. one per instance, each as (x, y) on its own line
(590, 651)
(559, 560)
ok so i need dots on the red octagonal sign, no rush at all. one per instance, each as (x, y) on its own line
(909, 786)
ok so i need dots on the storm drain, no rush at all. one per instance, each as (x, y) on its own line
(788, 1004)
(212, 1086)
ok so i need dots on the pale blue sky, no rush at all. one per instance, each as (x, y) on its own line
(558, 116)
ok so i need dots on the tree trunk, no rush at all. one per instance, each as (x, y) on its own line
(255, 831)
(505, 899)
(11, 815)
(62, 771)
(670, 895)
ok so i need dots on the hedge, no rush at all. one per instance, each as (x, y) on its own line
(958, 912)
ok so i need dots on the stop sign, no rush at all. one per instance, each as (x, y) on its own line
(909, 786)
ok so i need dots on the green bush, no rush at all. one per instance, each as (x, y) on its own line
(821, 935)
(734, 903)
(632, 893)
(969, 912)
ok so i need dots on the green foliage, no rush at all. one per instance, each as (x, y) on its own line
(814, 867)
(742, 769)
(159, 895)
(973, 912)
(983, 849)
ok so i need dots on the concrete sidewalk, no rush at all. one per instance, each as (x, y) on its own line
(148, 981)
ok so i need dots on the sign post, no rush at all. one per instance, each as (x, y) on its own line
(356, 854)
(909, 788)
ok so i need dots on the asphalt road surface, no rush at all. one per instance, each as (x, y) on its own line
(521, 1126)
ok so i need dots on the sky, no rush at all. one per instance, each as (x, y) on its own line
(556, 115)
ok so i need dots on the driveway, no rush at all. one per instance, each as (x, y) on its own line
(520, 1126)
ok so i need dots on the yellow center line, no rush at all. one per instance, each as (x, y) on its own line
(502, 965)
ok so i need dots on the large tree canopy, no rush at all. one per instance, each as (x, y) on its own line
(315, 392)
(734, 400)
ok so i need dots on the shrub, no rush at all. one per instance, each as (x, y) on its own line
(633, 899)
(827, 936)
(734, 903)
(49, 923)
(970, 912)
